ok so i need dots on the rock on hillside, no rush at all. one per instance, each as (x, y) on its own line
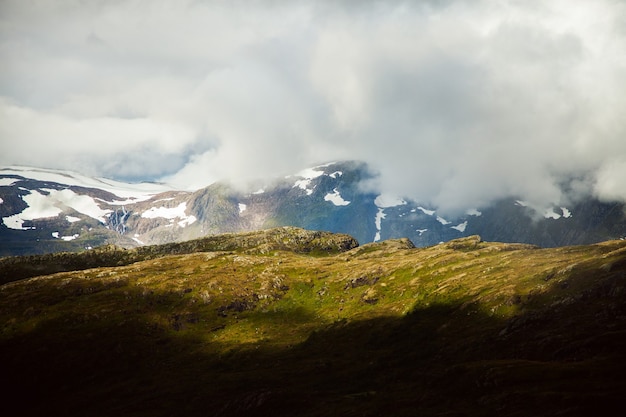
(278, 239)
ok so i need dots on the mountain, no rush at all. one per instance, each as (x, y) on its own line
(47, 211)
(290, 322)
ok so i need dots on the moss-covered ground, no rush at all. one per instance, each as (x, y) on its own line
(462, 328)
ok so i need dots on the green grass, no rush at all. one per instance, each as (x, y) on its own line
(465, 328)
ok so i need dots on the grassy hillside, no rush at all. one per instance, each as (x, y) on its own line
(282, 238)
(463, 328)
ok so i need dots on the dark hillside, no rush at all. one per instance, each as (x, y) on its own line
(466, 328)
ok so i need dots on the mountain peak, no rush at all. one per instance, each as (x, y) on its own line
(51, 210)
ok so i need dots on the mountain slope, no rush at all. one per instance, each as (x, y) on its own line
(47, 211)
(463, 328)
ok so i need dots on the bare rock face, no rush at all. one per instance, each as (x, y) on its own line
(465, 243)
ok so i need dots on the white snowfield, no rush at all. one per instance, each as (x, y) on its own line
(425, 211)
(309, 174)
(303, 184)
(41, 206)
(6, 182)
(388, 200)
(65, 238)
(442, 220)
(460, 227)
(336, 198)
(47, 203)
(548, 213)
(135, 192)
(171, 213)
(380, 215)
(552, 214)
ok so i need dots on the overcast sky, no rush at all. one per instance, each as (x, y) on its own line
(456, 103)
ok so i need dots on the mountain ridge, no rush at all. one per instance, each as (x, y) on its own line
(40, 215)
(284, 238)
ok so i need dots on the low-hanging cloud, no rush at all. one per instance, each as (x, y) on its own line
(455, 103)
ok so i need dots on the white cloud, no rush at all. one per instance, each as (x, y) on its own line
(456, 103)
(610, 181)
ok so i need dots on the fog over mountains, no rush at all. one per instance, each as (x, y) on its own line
(459, 103)
(49, 211)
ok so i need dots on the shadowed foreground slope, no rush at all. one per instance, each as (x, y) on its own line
(464, 328)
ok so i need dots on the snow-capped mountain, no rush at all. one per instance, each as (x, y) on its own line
(48, 211)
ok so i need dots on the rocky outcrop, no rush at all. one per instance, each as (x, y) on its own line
(290, 239)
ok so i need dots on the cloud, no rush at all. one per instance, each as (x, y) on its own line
(455, 103)
(609, 184)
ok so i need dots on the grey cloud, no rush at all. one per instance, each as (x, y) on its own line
(455, 103)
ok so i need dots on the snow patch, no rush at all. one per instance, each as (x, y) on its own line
(80, 203)
(380, 215)
(428, 212)
(138, 192)
(566, 213)
(460, 227)
(165, 212)
(136, 239)
(259, 191)
(187, 221)
(335, 174)
(1, 201)
(442, 220)
(303, 184)
(65, 238)
(242, 208)
(16, 223)
(421, 231)
(310, 173)
(473, 212)
(171, 213)
(521, 203)
(388, 200)
(6, 182)
(41, 206)
(336, 198)
(551, 214)
(72, 219)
